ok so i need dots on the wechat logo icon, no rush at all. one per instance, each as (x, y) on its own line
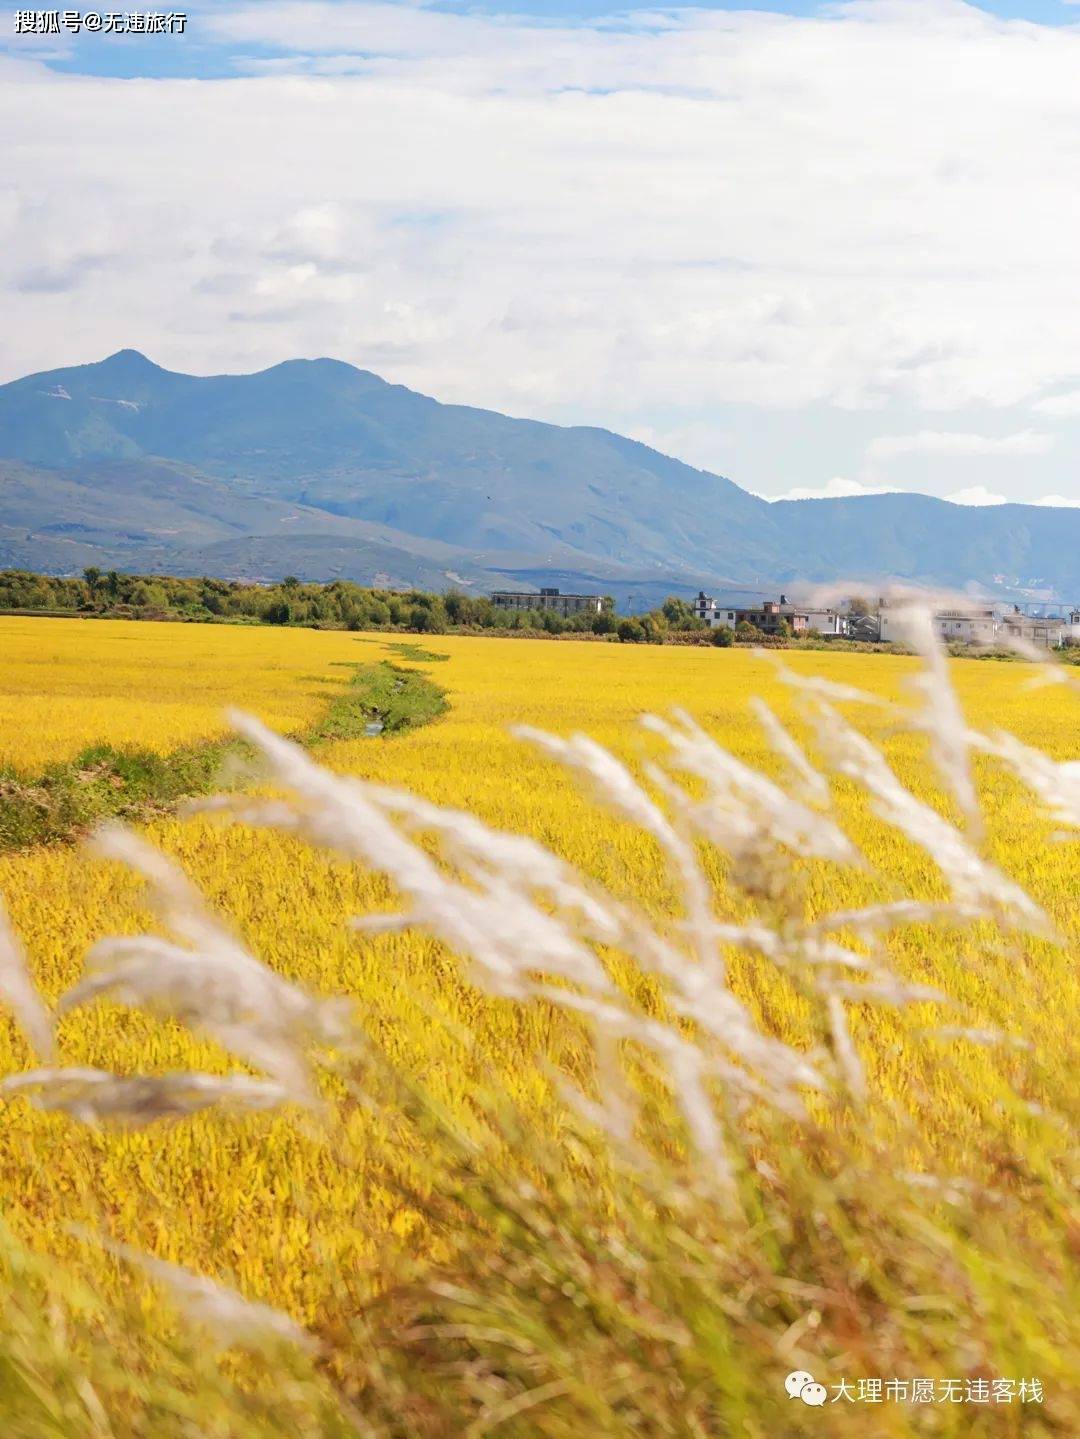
(801, 1385)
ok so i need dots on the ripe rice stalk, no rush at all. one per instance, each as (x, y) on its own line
(759, 1179)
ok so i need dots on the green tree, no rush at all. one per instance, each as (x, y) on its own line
(680, 614)
(427, 620)
(653, 626)
(457, 607)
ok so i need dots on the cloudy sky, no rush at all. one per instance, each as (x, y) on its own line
(817, 248)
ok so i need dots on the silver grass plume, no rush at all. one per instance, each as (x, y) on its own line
(225, 1315)
(699, 989)
(212, 985)
(17, 990)
(812, 785)
(506, 935)
(818, 687)
(974, 882)
(698, 986)
(494, 920)
(619, 791)
(745, 806)
(1055, 783)
(940, 716)
(95, 1096)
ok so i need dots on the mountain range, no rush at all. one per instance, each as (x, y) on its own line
(319, 469)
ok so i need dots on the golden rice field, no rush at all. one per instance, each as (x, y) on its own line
(841, 1271)
(158, 686)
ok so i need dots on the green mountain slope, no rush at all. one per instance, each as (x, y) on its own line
(318, 468)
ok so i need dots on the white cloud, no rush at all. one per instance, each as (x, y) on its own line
(1064, 404)
(872, 207)
(976, 495)
(980, 495)
(957, 443)
(701, 443)
(836, 489)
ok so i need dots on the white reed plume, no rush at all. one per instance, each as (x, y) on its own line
(699, 989)
(1047, 672)
(884, 989)
(477, 848)
(874, 919)
(812, 784)
(617, 788)
(1050, 675)
(17, 990)
(214, 985)
(984, 1036)
(95, 1096)
(689, 1070)
(847, 1056)
(973, 881)
(226, 1316)
(824, 689)
(493, 922)
(616, 1109)
(745, 806)
(1056, 783)
(940, 715)
(516, 947)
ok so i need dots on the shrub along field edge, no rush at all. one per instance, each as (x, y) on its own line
(106, 782)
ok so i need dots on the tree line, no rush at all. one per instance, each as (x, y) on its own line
(339, 604)
(343, 604)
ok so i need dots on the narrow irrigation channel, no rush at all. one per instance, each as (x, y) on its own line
(104, 782)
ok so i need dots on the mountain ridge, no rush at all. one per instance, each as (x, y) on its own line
(317, 468)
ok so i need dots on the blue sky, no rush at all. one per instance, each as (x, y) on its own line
(820, 249)
(203, 54)
(1053, 12)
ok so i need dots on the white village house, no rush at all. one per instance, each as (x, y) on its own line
(987, 625)
(969, 627)
(766, 616)
(826, 622)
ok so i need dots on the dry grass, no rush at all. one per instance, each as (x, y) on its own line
(467, 1246)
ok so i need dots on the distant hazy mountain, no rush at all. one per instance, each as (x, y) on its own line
(322, 470)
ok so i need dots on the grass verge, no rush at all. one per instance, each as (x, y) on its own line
(106, 782)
